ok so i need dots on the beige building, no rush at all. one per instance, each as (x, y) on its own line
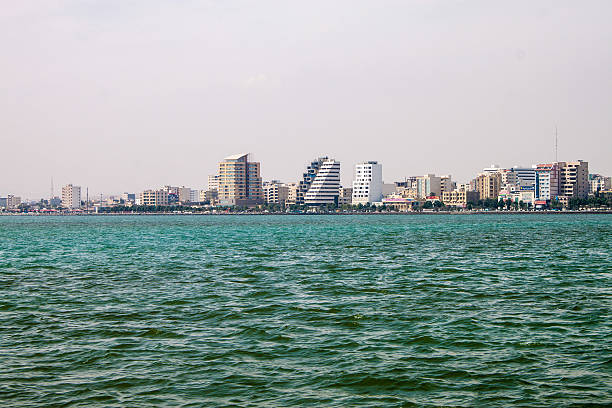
(154, 197)
(346, 195)
(488, 185)
(71, 196)
(210, 196)
(459, 198)
(184, 194)
(574, 179)
(240, 181)
(292, 193)
(275, 192)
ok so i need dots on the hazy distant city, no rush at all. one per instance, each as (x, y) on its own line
(238, 185)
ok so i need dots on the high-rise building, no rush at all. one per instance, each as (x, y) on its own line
(599, 183)
(154, 197)
(325, 187)
(574, 180)
(428, 185)
(488, 185)
(547, 181)
(71, 196)
(307, 178)
(367, 185)
(240, 181)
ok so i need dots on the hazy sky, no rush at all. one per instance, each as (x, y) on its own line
(126, 95)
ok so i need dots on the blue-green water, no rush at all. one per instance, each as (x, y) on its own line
(473, 310)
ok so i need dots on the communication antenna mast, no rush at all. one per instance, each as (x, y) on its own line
(556, 146)
(51, 198)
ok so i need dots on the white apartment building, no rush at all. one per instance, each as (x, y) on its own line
(547, 181)
(213, 182)
(194, 196)
(325, 187)
(368, 184)
(71, 196)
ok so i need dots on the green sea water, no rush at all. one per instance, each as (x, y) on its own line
(282, 311)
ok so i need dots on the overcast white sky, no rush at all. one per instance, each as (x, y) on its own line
(126, 95)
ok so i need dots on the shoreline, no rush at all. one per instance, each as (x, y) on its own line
(478, 212)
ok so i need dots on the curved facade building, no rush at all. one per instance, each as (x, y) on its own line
(325, 187)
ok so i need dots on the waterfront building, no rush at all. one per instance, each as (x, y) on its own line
(367, 185)
(525, 176)
(184, 194)
(171, 190)
(71, 196)
(574, 180)
(428, 185)
(307, 178)
(128, 197)
(9, 202)
(213, 182)
(388, 189)
(275, 192)
(400, 203)
(547, 182)
(488, 185)
(209, 196)
(292, 193)
(447, 184)
(154, 197)
(345, 195)
(240, 181)
(325, 187)
(194, 196)
(12, 201)
(599, 183)
(459, 198)
(409, 182)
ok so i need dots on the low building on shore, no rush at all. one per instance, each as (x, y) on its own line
(459, 198)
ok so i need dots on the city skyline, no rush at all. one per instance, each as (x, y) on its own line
(133, 95)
